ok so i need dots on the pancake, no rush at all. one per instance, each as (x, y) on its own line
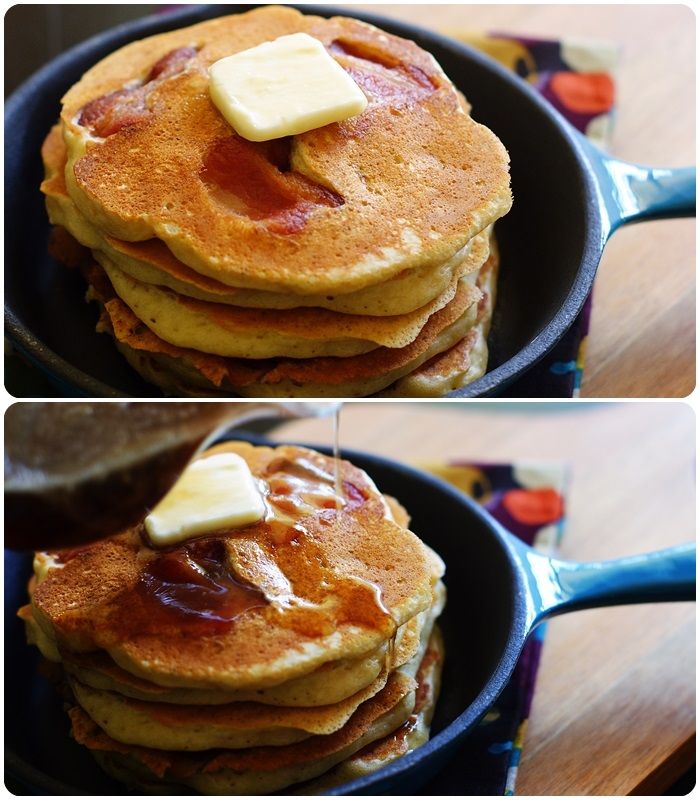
(165, 726)
(173, 659)
(197, 371)
(398, 513)
(412, 734)
(285, 584)
(256, 334)
(360, 744)
(258, 770)
(447, 372)
(406, 184)
(185, 371)
(407, 292)
(236, 332)
(369, 373)
(36, 636)
(238, 725)
(334, 263)
(466, 361)
(151, 262)
(330, 683)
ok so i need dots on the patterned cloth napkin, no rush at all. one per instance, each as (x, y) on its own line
(577, 78)
(528, 499)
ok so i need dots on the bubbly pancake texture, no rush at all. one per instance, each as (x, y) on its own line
(407, 183)
(346, 599)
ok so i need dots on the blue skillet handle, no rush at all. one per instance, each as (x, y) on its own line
(557, 587)
(632, 193)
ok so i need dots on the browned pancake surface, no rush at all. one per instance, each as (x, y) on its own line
(350, 204)
(339, 588)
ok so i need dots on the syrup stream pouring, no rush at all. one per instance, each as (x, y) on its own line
(75, 472)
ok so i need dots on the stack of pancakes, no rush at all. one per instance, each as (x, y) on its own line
(298, 651)
(341, 262)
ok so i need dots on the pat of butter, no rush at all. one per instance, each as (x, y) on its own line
(281, 88)
(212, 494)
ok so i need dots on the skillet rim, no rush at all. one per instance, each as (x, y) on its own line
(75, 382)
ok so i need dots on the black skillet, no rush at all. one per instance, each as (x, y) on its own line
(498, 590)
(569, 198)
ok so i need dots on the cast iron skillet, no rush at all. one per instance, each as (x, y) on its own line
(569, 198)
(498, 590)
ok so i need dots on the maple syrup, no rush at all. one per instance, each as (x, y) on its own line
(193, 585)
(314, 601)
(336, 455)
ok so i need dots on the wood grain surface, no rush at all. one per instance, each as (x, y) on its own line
(614, 708)
(642, 339)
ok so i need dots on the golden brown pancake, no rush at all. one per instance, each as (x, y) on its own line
(330, 683)
(335, 263)
(359, 744)
(306, 599)
(160, 647)
(257, 770)
(151, 262)
(466, 361)
(410, 290)
(210, 326)
(412, 734)
(407, 183)
(260, 333)
(201, 373)
(238, 725)
(167, 726)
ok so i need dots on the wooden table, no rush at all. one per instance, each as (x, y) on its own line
(642, 340)
(614, 709)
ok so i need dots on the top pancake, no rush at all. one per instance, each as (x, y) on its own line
(336, 589)
(151, 261)
(407, 183)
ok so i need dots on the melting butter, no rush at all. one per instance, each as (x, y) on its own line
(282, 88)
(212, 494)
